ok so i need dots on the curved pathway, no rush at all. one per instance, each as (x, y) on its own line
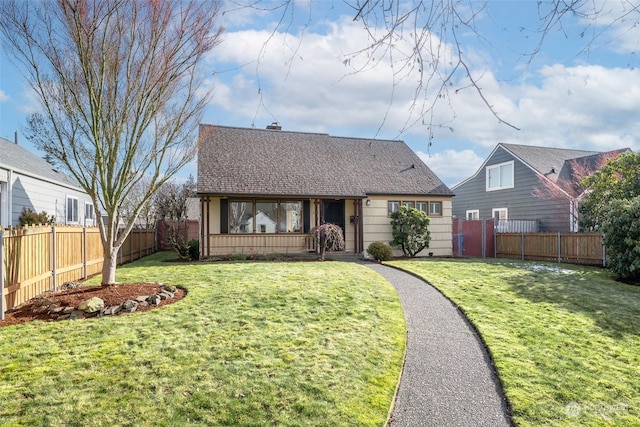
(448, 378)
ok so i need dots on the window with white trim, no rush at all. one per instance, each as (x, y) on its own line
(409, 204)
(501, 214)
(422, 206)
(473, 214)
(393, 206)
(89, 214)
(72, 210)
(435, 208)
(500, 176)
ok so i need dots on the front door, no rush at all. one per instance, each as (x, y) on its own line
(333, 212)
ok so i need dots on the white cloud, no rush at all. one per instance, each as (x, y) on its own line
(304, 82)
(3, 96)
(452, 166)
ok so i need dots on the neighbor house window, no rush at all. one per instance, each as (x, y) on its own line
(393, 207)
(500, 176)
(473, 214)
(501, 214)
(422, 206)
(409, 204)
(290, 217)
(265, 216)
(240, 217)
(435, 208)
(88, 213)
(72, 210)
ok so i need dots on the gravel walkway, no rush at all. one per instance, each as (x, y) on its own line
(448, 378)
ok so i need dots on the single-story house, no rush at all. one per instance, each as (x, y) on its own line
(27, 181)
(528, 188)
(263, 190)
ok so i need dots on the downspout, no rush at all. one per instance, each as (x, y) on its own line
(9, 198)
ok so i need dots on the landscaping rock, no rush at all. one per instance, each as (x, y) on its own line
(70, 285)
(91, 305)
(110, 311)
(130, 306)
(95, 306)
(43, 302)
(76, 314)
(166, 295)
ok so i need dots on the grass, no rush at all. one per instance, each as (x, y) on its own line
(253, 343)
(565, 339)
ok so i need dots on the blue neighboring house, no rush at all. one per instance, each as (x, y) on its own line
(510, 187)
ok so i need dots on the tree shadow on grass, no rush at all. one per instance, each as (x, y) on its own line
(613, 306)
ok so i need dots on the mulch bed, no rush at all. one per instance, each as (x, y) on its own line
(112, 295)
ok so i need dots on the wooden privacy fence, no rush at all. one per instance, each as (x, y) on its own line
(41, 258)
(574, 248)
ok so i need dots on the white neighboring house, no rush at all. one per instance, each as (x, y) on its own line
(27, 181)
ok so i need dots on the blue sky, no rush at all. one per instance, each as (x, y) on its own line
(578, 92)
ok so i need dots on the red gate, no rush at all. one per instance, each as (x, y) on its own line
(474, 237)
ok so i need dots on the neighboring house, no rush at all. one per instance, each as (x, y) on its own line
(523, 182)
(27, 181)
(262, 190)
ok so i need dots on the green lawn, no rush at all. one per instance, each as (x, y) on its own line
(253, 343)
(565, 339)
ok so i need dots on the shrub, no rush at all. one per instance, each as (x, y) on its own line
(410, 230)
(29, 217)
(194, 249)
(621, 230)
(380, 251)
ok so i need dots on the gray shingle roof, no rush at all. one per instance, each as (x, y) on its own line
(15, 157)
(243, 161)
(546, 159)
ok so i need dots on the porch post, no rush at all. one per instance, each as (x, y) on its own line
(318, 219)
(202, 217)
(359, 243)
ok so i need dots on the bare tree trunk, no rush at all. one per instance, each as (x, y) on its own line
(109, 265)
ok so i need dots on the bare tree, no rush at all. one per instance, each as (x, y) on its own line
(423, 41)
(567, 185)
(119, 86)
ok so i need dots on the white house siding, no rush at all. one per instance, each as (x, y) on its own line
(21, 190)
(377, 225)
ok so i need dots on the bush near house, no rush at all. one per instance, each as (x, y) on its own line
(30, 217)
(380, 251)
(410, 230)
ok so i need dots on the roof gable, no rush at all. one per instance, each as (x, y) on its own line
(553, 163)
(243, 161)
(19, 159)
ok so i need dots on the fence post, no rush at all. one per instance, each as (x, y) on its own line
(84, 252)
(604, 256)
(522, 245)
(55, 258)
(1, 273)
(559, 250)
(495, 242)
